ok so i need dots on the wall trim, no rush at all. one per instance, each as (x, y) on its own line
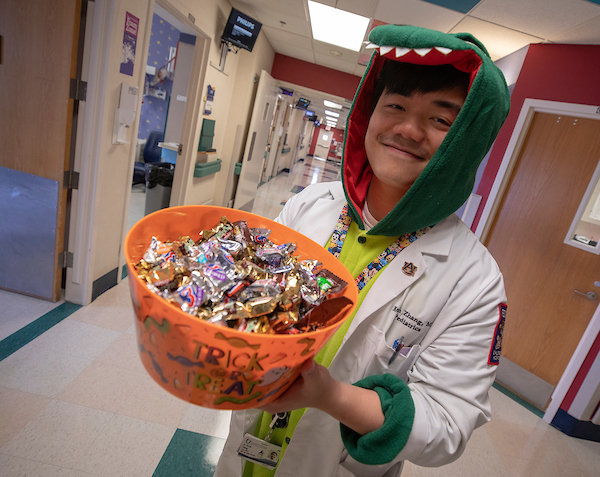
(78, 287)
(104, 283)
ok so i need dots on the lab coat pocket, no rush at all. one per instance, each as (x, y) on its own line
(384, 360)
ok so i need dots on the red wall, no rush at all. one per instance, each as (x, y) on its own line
(564, 73)
(315, 77)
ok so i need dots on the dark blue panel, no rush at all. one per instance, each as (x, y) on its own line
(185, 38)
(566, 423)
(462, 6)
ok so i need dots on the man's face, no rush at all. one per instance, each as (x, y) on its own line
(404, 133)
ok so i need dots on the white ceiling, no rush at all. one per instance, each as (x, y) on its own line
(503, 26)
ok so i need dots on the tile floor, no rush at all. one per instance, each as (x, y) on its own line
(75, 400)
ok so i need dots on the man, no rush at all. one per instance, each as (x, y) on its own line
(407, 377)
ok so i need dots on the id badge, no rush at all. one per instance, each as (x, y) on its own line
(260, 452)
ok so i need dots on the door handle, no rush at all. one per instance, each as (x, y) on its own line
(590, 295)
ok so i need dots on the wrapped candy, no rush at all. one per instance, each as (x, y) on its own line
(235, 276)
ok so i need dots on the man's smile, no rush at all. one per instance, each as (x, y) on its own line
(397, 147)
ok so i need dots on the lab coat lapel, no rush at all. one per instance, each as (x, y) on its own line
(323, 216)
(396, 277)
(406, 269)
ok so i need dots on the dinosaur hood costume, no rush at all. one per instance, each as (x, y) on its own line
(447, 180)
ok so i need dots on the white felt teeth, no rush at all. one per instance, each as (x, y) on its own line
(422, 51)
(384, 50)
(443, 50)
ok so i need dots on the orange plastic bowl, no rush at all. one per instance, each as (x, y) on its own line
(210, 365)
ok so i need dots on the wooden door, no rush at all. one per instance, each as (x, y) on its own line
(38, 60)
(546, 318)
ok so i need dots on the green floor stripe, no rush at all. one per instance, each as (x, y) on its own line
(519, 399)
(34, 329)
(190, 454)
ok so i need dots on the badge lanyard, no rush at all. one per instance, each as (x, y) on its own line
(385, 257)
(254, 448)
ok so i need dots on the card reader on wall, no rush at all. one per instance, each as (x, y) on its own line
(125, 113)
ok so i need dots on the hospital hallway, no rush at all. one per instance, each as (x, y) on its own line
(75, 400)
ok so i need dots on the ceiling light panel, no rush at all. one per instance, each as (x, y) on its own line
(331, 104)
(337, 27)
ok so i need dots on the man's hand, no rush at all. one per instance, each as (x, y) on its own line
(311, 389)
(357, 408)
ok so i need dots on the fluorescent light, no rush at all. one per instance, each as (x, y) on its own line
(337, 27)
(331, 113)
(331, 104)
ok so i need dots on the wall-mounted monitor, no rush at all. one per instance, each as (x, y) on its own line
(241, 30)
(303, 103)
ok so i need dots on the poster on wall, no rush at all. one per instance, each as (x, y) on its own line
(129, 41)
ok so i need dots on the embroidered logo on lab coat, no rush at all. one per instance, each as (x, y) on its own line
(409, 269)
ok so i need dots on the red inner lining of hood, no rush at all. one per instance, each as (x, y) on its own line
(358, 177)
(464, 60)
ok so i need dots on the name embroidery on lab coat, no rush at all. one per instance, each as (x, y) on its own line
(411, 322)
(385, 257)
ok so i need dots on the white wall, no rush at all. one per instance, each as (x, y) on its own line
(241, 102)
(233, 100)
(115, 162)
(511, 65)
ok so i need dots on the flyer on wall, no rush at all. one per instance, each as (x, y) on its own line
(129, 42)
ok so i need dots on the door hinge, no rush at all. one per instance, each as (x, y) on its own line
(78, 90)
(65, 260)
(71, 180)
(180, 150)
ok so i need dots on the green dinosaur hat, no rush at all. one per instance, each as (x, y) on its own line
(447, 180)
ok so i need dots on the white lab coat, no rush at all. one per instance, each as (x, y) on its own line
(450, 307)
